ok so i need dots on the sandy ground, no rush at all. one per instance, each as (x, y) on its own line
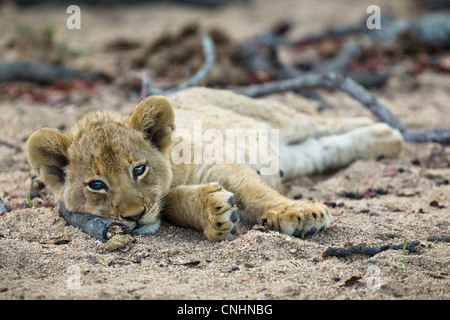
(43, 258)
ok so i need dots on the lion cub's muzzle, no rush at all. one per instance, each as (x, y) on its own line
(145, 216)
(134, 217)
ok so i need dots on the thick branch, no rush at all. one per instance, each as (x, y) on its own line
(422, 135)
(331, 80)
(98, 227)
(358, 92)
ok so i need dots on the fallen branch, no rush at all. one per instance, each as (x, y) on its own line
(350, 53)
(429, 31)
(369, 251)
(330, 80)
(341, 63)
(370, 79)
(261, 55)
(98, 227)
(41, 73)
(356, 91)
(443, 238)
(421, 135)
(148, 88)
(334, 32)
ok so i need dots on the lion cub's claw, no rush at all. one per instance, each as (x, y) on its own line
(299, 219)
(221, 217)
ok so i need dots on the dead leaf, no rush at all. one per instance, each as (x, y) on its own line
(389, 171)
(62, 241)
(122, 44)
(55, 241)
(92, 259)
(189, 264)
(437, 159)
(347, 282)
(434, 203)
(46, 203)
(174, 253)
(443, 63)
(408, 192)
(437, 179)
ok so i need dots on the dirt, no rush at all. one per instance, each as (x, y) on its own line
(374, 202)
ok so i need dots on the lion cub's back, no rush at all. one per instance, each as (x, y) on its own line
(193, 109)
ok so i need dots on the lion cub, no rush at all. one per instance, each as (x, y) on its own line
(134, 168)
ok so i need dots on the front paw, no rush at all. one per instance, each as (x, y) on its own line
(299, 219)
(220, 212)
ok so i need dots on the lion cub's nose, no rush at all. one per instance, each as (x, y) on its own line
(134, 216)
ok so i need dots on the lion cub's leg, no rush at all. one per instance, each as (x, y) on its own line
(258, 202)
(300, 127)
(208, 208)
(294, 126)
(331, 152)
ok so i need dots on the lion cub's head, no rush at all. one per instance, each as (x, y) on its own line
(109, 165)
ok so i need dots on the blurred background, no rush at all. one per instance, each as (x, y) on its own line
(252, 38)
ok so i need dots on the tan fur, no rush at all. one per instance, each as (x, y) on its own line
(205, 196)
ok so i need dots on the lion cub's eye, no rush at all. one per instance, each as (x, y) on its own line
(139, 171)
(97, 185)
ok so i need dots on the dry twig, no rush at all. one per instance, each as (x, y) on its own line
(369, 251)
(148, 88)
(41, 73)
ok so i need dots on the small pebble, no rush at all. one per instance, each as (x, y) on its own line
(3, 208)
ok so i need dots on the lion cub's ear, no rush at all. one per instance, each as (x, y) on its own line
(47, 155)
(155, 117)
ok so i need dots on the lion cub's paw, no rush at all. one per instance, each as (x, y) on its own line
(378, 139)
(299, 219)
(221, 217)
